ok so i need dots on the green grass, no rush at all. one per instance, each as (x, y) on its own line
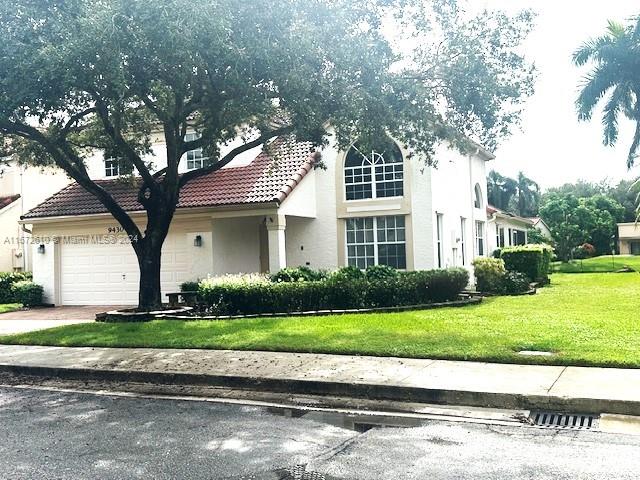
(598, 264)
(589, 319)
(9, 307)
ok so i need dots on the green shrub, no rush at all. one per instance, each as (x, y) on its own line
(489, 273)
(7, 279)
(339, 292)
(534, 261)
(346, 274)
(380, 272)
(189, 286)
(298, 274)
(515, 282)
(27, 293)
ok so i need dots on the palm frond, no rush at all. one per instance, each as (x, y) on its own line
(591, 49)
(616, 29)
(595, 86)
(618, 102)
(633, 151)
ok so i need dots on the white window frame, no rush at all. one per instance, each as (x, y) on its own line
(463, 228)
(369, 168)
(113, 167)
(480, 241)
(439, 240)
(195, 159)
(376, 242)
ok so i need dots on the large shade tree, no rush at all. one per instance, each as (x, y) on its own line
(81, 75)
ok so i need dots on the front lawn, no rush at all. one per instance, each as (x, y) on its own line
(604, 263)
(589, 319)
(9, 307)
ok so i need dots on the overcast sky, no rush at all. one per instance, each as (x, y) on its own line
(553, 147)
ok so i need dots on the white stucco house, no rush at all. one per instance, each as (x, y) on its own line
(629, 238)
(21, 189)
(507, 229)
(259, 214)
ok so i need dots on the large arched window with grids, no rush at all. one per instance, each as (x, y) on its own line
(374, 173)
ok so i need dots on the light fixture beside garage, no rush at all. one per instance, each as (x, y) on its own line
(41, 248)
(197, 241)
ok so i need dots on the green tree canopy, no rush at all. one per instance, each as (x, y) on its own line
(81, 75)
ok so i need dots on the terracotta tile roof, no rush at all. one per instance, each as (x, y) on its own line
(264, 180)
(5, 201)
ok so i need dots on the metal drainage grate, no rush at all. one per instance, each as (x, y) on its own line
(564, 420)
(299, 472)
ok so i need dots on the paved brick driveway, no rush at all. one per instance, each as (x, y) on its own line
(39, 318)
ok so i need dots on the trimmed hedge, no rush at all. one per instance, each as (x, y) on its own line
(27, 293)
(7, 279)
(339, 292)
(489, 273)
(534, 261)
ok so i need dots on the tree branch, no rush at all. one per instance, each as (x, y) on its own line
(187, 177)
(74, 119)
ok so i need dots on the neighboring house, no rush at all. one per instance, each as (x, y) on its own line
(629, 238)
(506, 229)
(260, 214)
(20, 190)
(539, 224)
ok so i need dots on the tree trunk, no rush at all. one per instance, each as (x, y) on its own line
(150, 292)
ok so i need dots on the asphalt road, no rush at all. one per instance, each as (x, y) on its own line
(55, 435)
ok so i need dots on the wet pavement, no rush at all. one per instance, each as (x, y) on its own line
(69, 435)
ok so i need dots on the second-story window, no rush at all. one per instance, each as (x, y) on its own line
(115, 166)
(195, 158)
(374, 173)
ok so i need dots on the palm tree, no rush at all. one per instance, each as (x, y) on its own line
(528, 196)
(615, 78)
(500, 190)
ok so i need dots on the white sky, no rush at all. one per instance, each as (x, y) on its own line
(553, 147)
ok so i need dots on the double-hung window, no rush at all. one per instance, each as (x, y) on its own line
(374, 174)
(463, 236)
(115, 166)
(439, 234)
(480, 238)
(195, 158)
(376, 241)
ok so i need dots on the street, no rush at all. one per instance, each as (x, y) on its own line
(69, 435)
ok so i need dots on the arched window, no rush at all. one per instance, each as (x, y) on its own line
(478, 197)
(375, 173)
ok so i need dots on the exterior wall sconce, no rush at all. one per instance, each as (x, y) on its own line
(41, 248)
(197, 241)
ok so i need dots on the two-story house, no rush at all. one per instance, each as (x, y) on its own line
(259, 214)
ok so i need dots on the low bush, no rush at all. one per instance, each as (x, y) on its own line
(189, 286)
(26, 292)
(380, 272)
(534, 261)
(298, 274)
(586, 250)
(346, 274)
(489, 273)
(7, 279)
(338, 292)
(515, 283)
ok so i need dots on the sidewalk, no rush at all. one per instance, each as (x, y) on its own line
(573, 389)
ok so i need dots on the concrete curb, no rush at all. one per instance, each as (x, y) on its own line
(353, 390)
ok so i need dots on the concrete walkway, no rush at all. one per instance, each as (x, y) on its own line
(576, 389)
(86, 313)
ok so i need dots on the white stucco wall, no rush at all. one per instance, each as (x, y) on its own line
(453, 191)
(507, 224)
(236, 245)
(11, 237)
(315, 242)
(421, 214)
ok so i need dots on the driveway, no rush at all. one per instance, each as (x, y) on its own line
(39, 318)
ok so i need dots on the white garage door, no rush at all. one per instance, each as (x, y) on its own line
(107, 274)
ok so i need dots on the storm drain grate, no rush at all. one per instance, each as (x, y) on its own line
(300, 472)
(564, 420)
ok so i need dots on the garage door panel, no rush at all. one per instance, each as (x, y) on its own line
(107, 274)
